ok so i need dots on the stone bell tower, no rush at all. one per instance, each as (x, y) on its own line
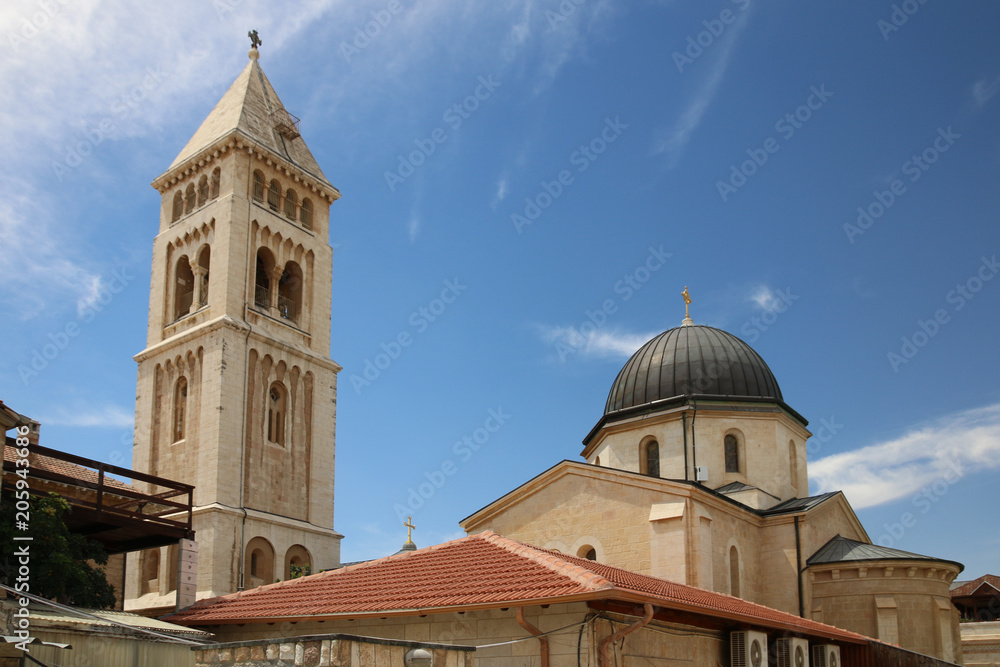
(236, 391)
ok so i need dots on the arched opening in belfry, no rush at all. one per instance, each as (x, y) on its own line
(262, 279)
(274, 195)
(290, 292)
(258, 185)
(204, 267)
(291, 200)
(190, 199)
(306, 213)
(178, 209)
(183, 287)
(213, 192)
(202, 190)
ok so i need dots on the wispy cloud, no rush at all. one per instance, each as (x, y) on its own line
(106, 416)
(413, 228)
(984, 90)
(958, 444)
(594, 343)
(672, 141)
(48, 265)
(501, 193)
(765, 297)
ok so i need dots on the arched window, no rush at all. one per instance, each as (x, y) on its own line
(587, 551)
(276, 408)
(180, 408)
(150, 571)
(259, 563)
(732, 446)
(213, 192)
(652, 452)
(734, 571)
(178, 207)
(793, 465)
(190, 201)
(262, 279)
(306, 213)
(205, 265)
(597, 460)
(202, 190)
(290, 292)
(298, 563)
(183, 288)
(274, 196)
(291, 199)
(258, 186)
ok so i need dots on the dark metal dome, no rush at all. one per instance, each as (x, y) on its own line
(692, 360)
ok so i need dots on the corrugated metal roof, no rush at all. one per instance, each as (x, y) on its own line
(694, 360)
(798, 504)
(843, 550)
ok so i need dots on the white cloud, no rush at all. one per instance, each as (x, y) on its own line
(48, 264)
(955, 445)
(413, 228)
(107, 416)
(672, 141)
(984, 90)
(765, 297)
(501, 194)
(590, 342)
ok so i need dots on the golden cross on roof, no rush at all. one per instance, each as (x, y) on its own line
(409, 528)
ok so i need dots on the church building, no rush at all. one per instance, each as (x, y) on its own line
(687, 519)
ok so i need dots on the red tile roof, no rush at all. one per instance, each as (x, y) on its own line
(478, 572)
(970, 587)
(44, 463)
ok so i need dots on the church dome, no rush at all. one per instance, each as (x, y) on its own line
(692, 360)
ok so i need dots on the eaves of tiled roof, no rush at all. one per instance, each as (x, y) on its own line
(483, 571)
(971, 587)
(41, 462)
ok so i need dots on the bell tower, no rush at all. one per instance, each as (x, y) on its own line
(236, 391)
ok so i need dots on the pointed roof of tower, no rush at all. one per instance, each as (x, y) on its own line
(252, 108)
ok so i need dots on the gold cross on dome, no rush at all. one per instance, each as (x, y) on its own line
(409, 528)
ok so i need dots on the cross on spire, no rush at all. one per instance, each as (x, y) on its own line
(687, 307)
(409, 528)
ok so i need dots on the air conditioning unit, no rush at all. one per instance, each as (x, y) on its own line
(748, 649)
(826, 655)
(701, 473)
(792, 652)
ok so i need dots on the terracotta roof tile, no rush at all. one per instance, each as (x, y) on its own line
(478, 571)
(970, 587)
(65, 468)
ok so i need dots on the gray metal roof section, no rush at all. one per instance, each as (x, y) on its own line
(733, 487)
(799, 504)
(843, 550)
(694, 360)
(252, 108)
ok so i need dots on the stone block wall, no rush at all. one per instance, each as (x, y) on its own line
(332, 650)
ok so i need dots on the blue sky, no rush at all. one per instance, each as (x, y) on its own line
(730, 145)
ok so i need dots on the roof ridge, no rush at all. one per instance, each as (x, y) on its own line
(548, 560)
